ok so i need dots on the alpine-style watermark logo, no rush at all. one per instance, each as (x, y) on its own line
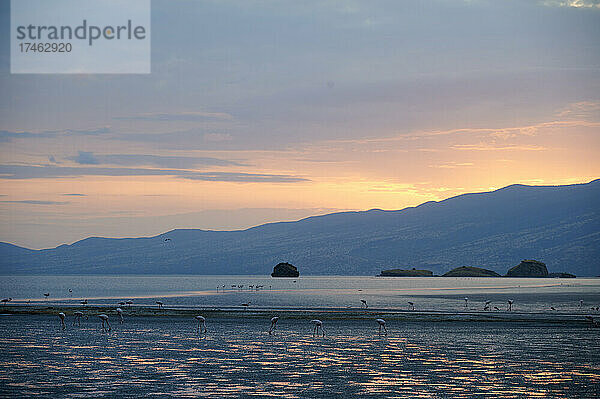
(80, 36)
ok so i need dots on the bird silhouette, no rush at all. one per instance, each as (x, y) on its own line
(273, 323)
(318, 324)
(201, 322)
(77, 318)
(104, 319)
(120, 313)
(381, 323)
(61, 315)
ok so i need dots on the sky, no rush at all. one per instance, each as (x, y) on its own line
(263, 110)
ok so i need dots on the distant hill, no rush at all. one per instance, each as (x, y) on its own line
(558, 225)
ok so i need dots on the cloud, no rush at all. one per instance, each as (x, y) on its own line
(7, 136)
(36, 202)
(176, 162)
(48, 172)
(193, 116)
(85, 158)
(452, 165)
(488, 147)
(243, 177)
(89, 132)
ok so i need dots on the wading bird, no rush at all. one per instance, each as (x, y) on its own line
(104, 319)
(62, 320)
(552, 308)
(581, 303)
(6, 300)
(201, 322)
(120, 313)
(160, 304)
(496, 308)
(47, 294)
(78, 315)
(129, 303)
(364, 303)
(318, 324)
(510, 303)
(273, 323)
(412, 305)
(84, 302)
(121, 303)
(487, 305)
(381, 323)
(466, 302)
(245, 305)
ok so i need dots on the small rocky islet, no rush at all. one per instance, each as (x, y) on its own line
(527, 268)
(285, 269)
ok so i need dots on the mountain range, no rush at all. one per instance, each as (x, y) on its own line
(558, 225)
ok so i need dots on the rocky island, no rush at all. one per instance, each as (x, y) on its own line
(561, 275)
(470, 271)
(406, 273)
(528, 268)
(285, 269)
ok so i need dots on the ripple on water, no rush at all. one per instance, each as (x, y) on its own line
(147, 357)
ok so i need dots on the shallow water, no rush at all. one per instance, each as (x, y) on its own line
(429, 293)
(237, 358)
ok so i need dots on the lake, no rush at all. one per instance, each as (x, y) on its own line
(427, 293)
(165, 356)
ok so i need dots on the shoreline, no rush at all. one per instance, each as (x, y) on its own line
(304, 313)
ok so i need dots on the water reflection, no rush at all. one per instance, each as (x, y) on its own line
(147, 357)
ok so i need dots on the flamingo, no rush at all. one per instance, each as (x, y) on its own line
(466, 302)
(381, 323)
(317, 323)
(364, 303)
(201, 321)
(77, 318)
(160, 304)
(104, 319)
(6, 300)
(120, 312)
(273, 323)
(510, 303)
(487, 305)
(62, 320)
(412, 305)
